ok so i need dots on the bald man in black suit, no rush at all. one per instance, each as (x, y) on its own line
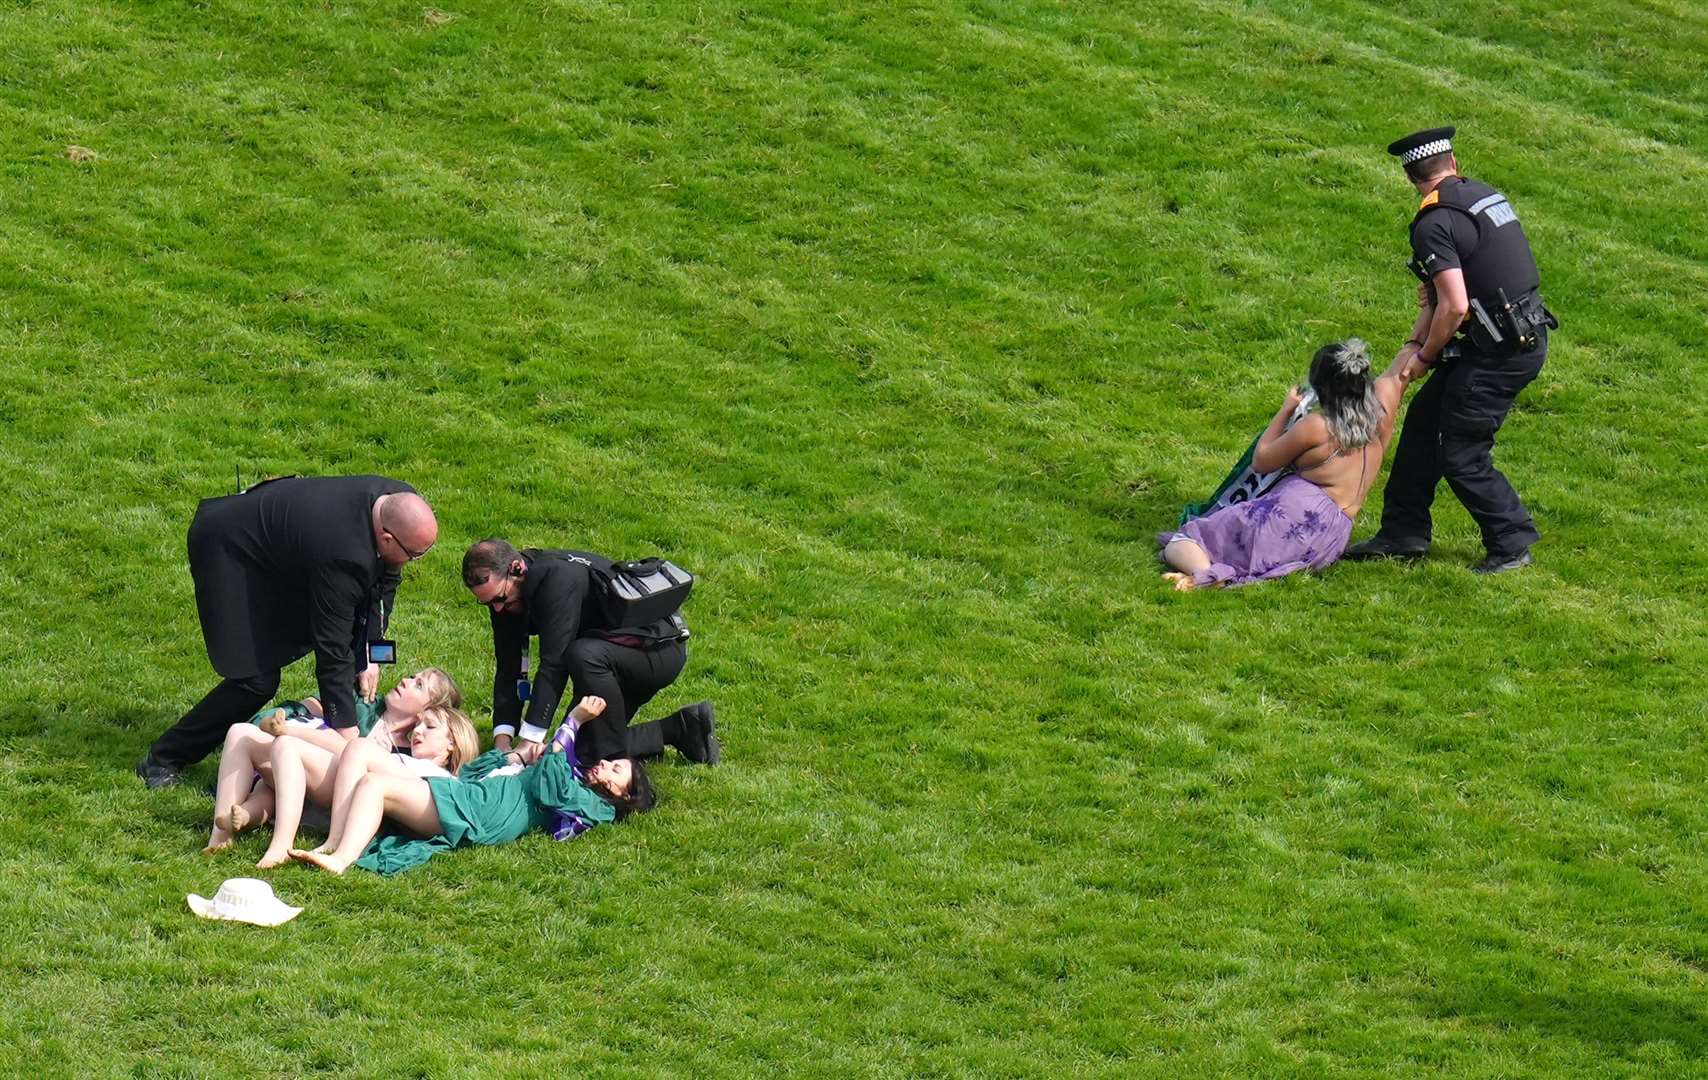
(289, 567)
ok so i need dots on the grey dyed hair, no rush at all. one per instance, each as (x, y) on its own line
(1346, 396)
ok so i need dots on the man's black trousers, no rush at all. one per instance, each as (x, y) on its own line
(626, 678)
(203, 728)
(1449, 434)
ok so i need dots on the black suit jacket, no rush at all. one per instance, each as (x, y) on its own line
(561, 602)
(290, 567)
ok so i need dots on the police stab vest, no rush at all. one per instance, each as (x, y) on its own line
(1501, 259)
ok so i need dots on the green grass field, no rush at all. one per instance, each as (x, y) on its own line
(906, 327)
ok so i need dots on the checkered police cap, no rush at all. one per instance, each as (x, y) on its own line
(1421, 144)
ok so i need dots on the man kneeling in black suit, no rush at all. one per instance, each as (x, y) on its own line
(552, 594)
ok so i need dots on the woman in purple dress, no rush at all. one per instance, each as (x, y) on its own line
(1332, 455)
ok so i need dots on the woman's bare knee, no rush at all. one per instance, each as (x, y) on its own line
(1184, 554)
(359, 751)
(238, 734)
(287, 750)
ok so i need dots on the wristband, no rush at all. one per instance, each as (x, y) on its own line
(1415, 341)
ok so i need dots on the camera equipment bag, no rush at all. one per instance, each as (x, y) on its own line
(644, 591)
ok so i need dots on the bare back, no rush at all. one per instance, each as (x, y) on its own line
(1346, 475)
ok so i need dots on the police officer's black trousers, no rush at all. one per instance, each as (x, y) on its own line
(626, 678)
(1449, 434)
(203, 728)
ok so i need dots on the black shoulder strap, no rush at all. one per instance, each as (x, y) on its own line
(1435, 201)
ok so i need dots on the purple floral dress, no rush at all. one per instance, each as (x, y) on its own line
(1293, 526)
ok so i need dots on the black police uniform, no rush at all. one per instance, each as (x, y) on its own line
(283, 569)
(1450, 425)
(624, 665)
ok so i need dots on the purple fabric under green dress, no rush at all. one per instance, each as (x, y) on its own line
(1293, 526)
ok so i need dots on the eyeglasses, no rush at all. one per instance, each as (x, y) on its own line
(413, 555)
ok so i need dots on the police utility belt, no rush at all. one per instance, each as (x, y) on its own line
(1500, 327)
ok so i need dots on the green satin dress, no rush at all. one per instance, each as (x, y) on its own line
(490, 802)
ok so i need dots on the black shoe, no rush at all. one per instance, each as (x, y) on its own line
(1380, 547)
(1500, 564)
(156, 773)
(698, 743)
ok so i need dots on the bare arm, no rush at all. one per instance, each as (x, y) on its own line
(1280, 446)
(1451, 307)
(1425, 315)
(1390, 388)
(585, 709)
(1441, 308)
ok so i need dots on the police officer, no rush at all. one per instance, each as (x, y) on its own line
(288, 567)
(1482, 328)
(552, 594)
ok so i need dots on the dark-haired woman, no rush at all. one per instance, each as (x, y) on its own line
(498, 797)
(1334, 453)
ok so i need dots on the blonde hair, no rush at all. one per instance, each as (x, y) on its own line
(464, 742)
(441, 688)
(442, 693)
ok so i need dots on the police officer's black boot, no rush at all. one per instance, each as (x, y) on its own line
(1500, 564)
(1381, 547)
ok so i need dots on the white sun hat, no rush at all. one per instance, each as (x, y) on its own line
(243, 899)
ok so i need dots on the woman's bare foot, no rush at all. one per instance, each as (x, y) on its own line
(270, 860)
(274, 723)
(218, 840)
(240, 820)
(1182, 582)
(324, 860)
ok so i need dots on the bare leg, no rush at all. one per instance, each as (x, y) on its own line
(1185, 555)
(353, 764)
(1187, 558)
(406, 800)
(356, 764)
(299, 770)
(244, 743)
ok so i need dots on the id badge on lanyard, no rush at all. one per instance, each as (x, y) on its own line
(383, 651)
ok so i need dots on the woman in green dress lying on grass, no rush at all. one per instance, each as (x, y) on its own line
(498, 797)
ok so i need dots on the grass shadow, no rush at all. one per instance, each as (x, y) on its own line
(1617, 1020)
(122, 733)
